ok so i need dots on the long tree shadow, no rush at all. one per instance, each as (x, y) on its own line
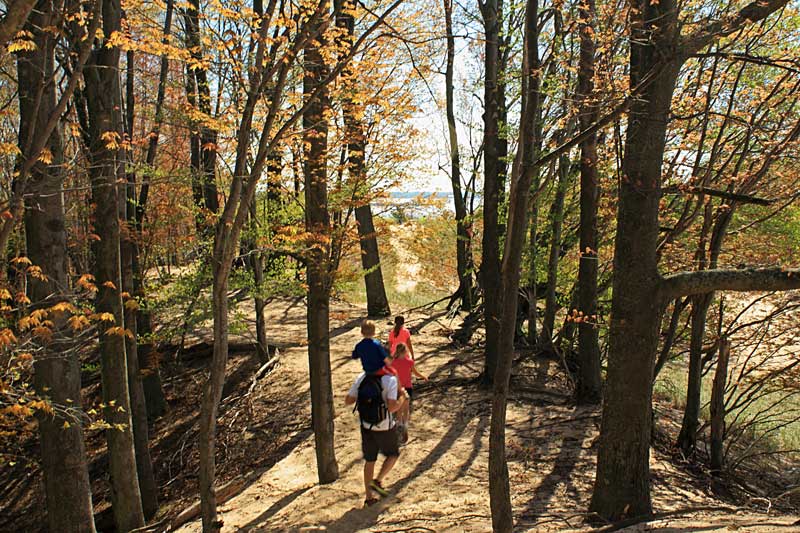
(363, 517)
(477, 444)
(418, 326)
(253, 524)
(346, 327)
(568, 457)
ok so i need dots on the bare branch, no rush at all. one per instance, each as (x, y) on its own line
(752, 12)
(741, 198)
(741, 280)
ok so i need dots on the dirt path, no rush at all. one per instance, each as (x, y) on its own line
(440, 483)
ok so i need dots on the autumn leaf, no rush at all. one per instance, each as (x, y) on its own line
(78, 322)
(102, 317)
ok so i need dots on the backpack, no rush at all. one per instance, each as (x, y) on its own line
(370, 405)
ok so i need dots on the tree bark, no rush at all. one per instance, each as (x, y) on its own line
(17, 13)
(741, 280)
(203, 142)
(105, 132)
(490, 262)
(377, 302)
(687, 438)
(57, 373)
(622, 482)
(315, 139)
(718, 407)
(463, 224)
(130, 270)
(589, 382)
(556, 222)
(533, 254)
(148, 361)
(499, 490)
(257, 266)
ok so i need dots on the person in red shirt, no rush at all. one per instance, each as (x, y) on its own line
(400, 335)
(404, 367)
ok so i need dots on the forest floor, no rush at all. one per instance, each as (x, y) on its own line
(265, 446)
(441, 480)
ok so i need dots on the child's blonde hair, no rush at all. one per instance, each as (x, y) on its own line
(368, 328)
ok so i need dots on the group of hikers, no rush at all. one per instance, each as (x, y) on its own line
(382, 394)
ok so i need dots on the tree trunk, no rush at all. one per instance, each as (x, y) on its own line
(57, 373)
(499, 490)
(589, 381)
(718, 407)
(687, 438)
(130, 270)
(533, 253)
(213, 391)
(315, 139)
(203, 140)
(463, 224)
(556, 222)
(377, 302)
(152, 386)
(622, 483)
(639, 294)
(490, 262)
(257, 265)
(105, 129)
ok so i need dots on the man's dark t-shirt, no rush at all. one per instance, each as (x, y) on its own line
(371, 353)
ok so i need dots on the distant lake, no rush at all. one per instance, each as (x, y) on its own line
(406, 199)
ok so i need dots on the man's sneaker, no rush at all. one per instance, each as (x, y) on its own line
(377, 487)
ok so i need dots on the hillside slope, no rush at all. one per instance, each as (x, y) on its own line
(440, 482)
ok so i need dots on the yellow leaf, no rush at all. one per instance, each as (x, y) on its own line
(64, 307)
(46, 156)
(7, 337)
(109, 285)
(43, 333)
(21, 45)
(111, 138)
(102, 317)
(9, 149)
(78, 322)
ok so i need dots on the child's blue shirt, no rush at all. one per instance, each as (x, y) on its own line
(371, 353)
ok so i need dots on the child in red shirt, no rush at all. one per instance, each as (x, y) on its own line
(400, 335)
(404, 366)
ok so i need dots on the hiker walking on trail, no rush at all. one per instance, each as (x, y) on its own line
(404, 366)
(376, 399)
(400, 335)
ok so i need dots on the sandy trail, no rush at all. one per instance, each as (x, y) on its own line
(440, 482)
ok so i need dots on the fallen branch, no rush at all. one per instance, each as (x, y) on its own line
(157, 527)
(641, 519)
(224, 493)
(265, 369)
(428, 305)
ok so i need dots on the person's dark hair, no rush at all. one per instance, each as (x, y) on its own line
(398, 323)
